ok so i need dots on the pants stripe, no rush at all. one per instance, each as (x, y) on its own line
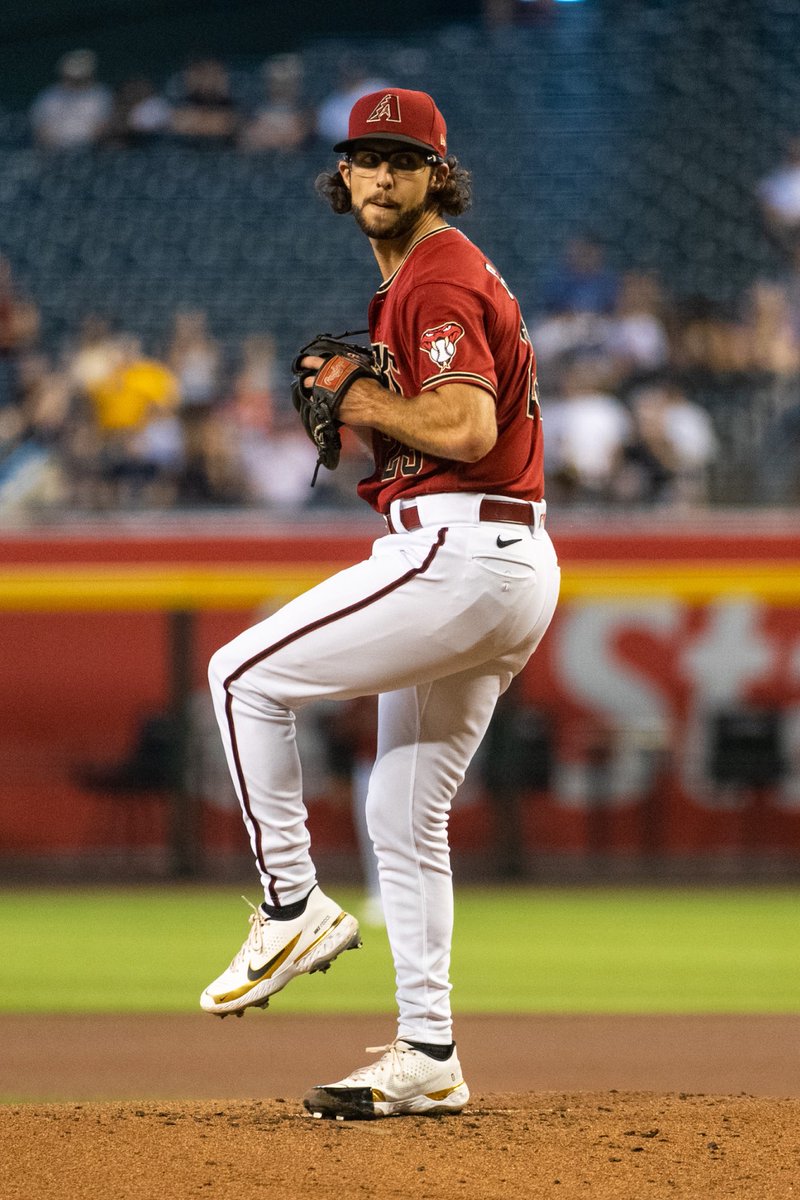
(279, 645)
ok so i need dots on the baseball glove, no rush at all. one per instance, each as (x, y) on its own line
(345, 362)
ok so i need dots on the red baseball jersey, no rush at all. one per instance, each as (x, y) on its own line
(447, 316)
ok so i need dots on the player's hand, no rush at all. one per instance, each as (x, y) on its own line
(309, 365)
(323, 371)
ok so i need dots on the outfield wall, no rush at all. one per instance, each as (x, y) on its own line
(662, 625)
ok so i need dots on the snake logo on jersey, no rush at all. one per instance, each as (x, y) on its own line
(440, 343)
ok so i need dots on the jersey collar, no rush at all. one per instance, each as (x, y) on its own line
(387, 283)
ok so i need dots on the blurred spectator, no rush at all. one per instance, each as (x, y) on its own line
(566, 335)
(333, 114)
(133, 391)
(47, 398)
(97, 353)
(281, 122)
(194, 357)
(772, 334)
(779, 196)
(582, 282)
(19, 328)
(32, 439)
(139, 114)
(210, 474)
(248, 413)
(205, 113)
(744, 368)
(769, 339)
(635, 338)
(76, 110)
(586, 431)
(252, 394)
(577, 297)
(790, 281)
(277, 466)
(133, 449)
(771, 353)
(779, 460)
(669, 449)
(705, 338)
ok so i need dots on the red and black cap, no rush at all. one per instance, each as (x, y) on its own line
(397, 115)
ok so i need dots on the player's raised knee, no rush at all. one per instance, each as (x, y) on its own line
(220, 666)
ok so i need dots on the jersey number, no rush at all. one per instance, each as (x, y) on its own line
(401, 461)
(534, 410)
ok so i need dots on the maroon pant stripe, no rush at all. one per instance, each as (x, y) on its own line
(279, 645)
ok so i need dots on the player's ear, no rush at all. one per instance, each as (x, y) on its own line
(344, 171)
(439, 177)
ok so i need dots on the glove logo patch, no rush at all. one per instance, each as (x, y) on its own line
(387, 109)
(333, 372)
(440, 343)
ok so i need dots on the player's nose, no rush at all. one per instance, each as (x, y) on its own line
(383, 175)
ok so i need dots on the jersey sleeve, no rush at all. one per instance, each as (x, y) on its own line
(445, 333)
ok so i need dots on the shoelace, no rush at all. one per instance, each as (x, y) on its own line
(255, 939)
(390, 1052)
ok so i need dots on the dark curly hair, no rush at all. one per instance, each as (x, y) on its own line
(454, 198)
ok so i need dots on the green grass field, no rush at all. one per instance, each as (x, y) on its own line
(516, 950)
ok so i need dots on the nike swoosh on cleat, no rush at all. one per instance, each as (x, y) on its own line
(503, 542)
(271, 966)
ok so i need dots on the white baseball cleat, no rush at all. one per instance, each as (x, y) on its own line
(275, 952)
(404, 1081)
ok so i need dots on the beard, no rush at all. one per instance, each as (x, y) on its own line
(403, 223)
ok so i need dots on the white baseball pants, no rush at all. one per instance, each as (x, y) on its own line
(437, 622)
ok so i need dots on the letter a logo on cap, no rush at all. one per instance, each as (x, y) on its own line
(387, 109)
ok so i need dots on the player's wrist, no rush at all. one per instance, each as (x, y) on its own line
(363, 403)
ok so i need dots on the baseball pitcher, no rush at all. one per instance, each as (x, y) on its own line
(452, 602)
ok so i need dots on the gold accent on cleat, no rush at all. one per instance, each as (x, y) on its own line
(265, 972)
(324, 934)
(445, 1092)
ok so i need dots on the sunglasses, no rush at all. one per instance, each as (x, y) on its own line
(401, 162)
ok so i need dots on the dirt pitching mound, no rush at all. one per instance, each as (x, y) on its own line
(599, 1145)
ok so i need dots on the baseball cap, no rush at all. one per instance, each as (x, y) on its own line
(397, 115)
